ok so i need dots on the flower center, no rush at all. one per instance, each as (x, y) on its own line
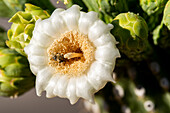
(71, 54)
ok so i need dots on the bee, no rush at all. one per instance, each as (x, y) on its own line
(59, 57)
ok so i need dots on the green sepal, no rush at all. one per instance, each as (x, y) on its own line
(22, 17)
(36, 12)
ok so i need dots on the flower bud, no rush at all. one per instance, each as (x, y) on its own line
(15, 75)
(132, 33)
(23, 25)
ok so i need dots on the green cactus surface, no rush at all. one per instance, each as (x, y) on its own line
(153, 6)
(16, 77)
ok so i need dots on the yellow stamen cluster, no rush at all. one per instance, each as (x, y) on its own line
(71, 54)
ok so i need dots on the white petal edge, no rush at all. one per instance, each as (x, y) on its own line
(58, 22)
(42, 39)
(99, 74)
(35, 69)
(35, 50)
(46, 26)
(27, 48)
(61, 85)
(71, 90)
(51, 85)
(104, 39)
(107, 53)
(38, 60)
(86, 20)
(97, 29)
(43, 78)
(71, 17)
(84, 89)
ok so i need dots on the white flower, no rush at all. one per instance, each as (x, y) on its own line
(72, 53)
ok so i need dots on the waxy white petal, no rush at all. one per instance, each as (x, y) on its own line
(42, 39)
(58, 23)
(61, 85)
(71, 17)
(104, 39)
(38, 60)
(46, 26)
(86, 20)
(71, 90)
(43, 78)
(51, 85)
(107, 53)
(35, 69)
(36, 50)
(97, 29)
(99, 74)
(84, 89)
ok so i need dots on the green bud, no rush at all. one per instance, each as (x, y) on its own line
(132, 33)
(16, 77)
(153, 6)
(166, 17)
(23, 24)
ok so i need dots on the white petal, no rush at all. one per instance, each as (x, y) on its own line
(42, 39)
(61, 85)
(35, 69)
(71, 17)
(37, 23)
(43, 78)
(27, 48)
(107, 53)
(86, 20)
(51, 85)
(35, 50)
(97, 29)
(58, 23)
(32, 41)
(99, 74)
(84, 89)
(38, 60)
(56, 12)
(104, 39)
(71, 91)
(46, 26)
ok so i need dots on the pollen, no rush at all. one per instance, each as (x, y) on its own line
(71, 54)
